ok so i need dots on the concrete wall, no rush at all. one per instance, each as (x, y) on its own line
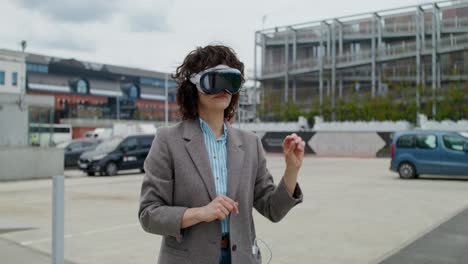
(346, 144)
(14, 116)
(334, 143)
(448, 125)
(24, 163)
(11, 62)
(13, 121)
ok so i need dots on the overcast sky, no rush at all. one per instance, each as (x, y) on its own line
(157, 34)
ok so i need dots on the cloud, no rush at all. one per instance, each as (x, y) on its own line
(147, 15)
(72, 11)
(139, 16)
(68, 44)
(147, 23)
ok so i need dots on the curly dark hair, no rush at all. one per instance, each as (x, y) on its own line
(196, 61)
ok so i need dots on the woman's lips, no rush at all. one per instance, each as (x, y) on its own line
(221, 96)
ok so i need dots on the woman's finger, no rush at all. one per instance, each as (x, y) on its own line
(231, 202)
(220, 215)
(226, 204)
(291, 148)
(223, 209)
(301, 146)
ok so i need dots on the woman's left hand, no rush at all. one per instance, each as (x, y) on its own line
(293, 148)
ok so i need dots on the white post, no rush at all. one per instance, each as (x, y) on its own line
(58, 220)
(166, 105)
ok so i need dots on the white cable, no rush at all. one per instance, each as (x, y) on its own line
(269, 249)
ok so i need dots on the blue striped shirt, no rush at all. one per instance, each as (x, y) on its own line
(217, 154)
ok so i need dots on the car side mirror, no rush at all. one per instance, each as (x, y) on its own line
(68, 149)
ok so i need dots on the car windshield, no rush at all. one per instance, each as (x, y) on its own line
(108, 145)
(464, 134)
(63, 144)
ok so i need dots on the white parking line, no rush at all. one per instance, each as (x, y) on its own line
(86, 233)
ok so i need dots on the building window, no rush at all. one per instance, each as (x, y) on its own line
(14, 79)
(157, 82)
(82, 87)
(34, 67)
(133, 93)
(2, 77)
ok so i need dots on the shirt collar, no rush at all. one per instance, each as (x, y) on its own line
(207, 129)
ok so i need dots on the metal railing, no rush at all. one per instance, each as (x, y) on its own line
(399, 49)
(308, 33)
(305, 64)
(399, 27)
(399, 71)
(386, 53)
(454, 23)
(352, 57)
(453, 41)
(357, 28)
(274, 68)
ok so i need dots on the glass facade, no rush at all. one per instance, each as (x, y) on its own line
(2, 77)
(34, 67)
(14, 79)
(82, 87)
(157, 82)
(133, 93)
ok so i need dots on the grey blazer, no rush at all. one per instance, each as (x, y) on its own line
(178, 176)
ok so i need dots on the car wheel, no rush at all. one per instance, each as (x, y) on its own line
(90, 173)
(142, 170)
(111, 169)
(407, 170)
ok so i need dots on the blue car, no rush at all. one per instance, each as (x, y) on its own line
(429, 152)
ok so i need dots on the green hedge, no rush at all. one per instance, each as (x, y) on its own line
(398, 104)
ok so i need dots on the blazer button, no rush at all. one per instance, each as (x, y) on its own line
(234, 247)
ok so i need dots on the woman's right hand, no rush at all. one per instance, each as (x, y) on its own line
(219, 208)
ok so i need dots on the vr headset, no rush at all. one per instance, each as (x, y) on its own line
(217, 79)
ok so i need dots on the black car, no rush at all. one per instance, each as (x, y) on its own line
(73, 150)
(117, 154)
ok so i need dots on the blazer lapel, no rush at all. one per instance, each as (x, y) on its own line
(235, 156)
(195, 146)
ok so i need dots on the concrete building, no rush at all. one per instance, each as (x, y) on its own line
(89, 95)
(422, 46)
(15, 110)
(12, 72)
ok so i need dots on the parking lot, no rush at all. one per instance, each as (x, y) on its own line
(354, 211)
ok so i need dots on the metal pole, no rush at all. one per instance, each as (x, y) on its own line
(379, 47)
(286, 67)
(51, 126)
(255, 78)
(333, 81)
(434, 58)
(118, 107)
(340, 52)
(58, 192)
(294, 62)
(373, 50)
(419, 19)
(166, 102)
(321, 55)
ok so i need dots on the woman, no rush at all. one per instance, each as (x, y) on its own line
(203, 176)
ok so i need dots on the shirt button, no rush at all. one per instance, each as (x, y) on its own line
(214, 157)
(234, 247)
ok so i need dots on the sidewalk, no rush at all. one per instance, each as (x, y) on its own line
(17, 254)
(446, 244)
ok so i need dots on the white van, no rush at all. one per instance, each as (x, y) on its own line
(49, 134)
